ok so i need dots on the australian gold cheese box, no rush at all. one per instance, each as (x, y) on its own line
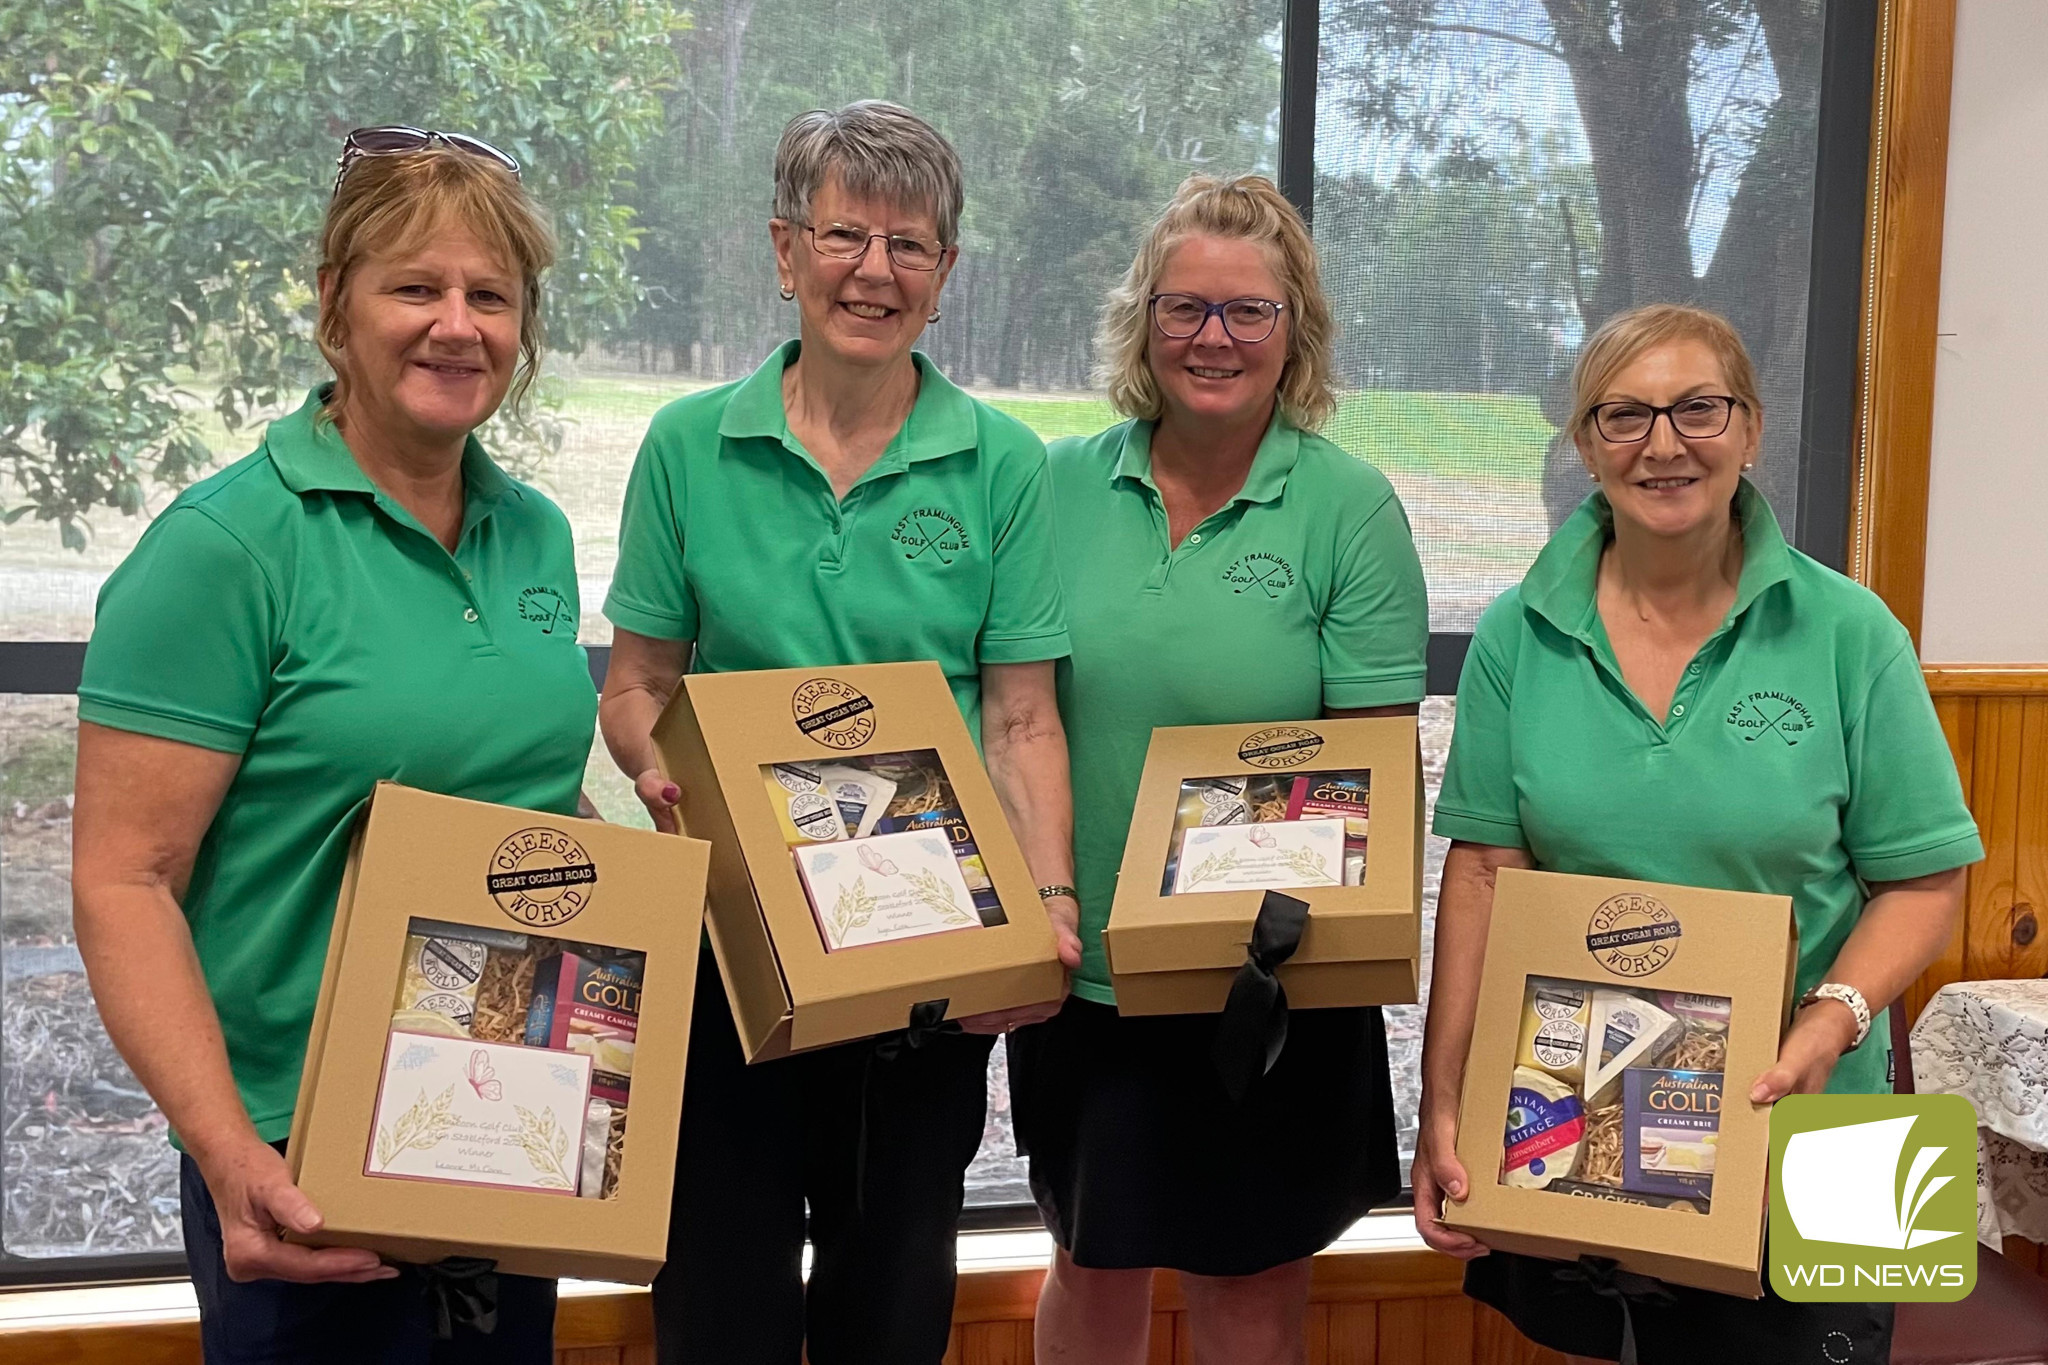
(1326, 811)
(1605, 1107)
(495, 1068)
(863, 877)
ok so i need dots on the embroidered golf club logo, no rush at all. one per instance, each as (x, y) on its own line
(541, 877)
(835, 714)
(1633, 934)
(1268, 575)
(1873, 1197)
(548, 609)
(931, 532)
(1282, 746)
(1776, 714)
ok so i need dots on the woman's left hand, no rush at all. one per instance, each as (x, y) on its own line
(1820, 1034)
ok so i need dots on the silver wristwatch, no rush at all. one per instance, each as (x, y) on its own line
(1847, 995)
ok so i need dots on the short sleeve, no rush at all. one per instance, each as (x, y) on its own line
(184, 639)
(1027, 616)
(1478, 802)
(1375, 630)
(650, 593)
(1906, 815)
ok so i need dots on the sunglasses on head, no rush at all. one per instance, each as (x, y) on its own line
(399, 140)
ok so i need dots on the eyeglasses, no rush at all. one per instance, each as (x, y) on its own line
(843, 243)
(1701, 416)
(397, 140)
(1181, 316)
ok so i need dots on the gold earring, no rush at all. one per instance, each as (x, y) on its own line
(1746, 468)
(788, 294)
(1593, 475)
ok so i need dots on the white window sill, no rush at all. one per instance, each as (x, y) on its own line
(172, 1301)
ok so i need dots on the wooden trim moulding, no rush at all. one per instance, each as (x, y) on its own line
(1987, 680)
(1901, 301)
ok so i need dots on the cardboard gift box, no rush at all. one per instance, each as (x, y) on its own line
(776, 768)
(1175, 947)
(495, 1067)
(1605, 1107)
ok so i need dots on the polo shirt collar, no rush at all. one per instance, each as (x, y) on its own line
(1278, 449)
(311, 457)
(1562, 585)
(941, 422)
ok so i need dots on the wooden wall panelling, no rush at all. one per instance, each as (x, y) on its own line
(1994, 799)
(2027, 951)
(1901, 301)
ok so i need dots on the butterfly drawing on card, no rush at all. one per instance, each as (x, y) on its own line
(1263, 838)
(875, 862)
(483, 1077)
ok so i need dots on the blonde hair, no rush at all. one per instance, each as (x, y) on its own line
(392, 204)
(1249, 208)
(1625, 337)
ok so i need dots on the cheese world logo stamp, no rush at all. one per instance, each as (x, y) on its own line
(1282, 746)
(1873, 1198)
(541, 877)
(1633, 934)
(835, 714)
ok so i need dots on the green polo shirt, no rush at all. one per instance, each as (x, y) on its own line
(731, 537)
(287, 611)
(1304, 592)
(1801, 755)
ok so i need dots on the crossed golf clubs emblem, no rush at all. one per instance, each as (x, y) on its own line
(914, 526)
(1771, 725)
(1259, 581)
(554, 612)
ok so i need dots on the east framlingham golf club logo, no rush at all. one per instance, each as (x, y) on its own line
(1865, 1202)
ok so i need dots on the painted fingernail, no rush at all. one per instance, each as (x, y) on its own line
(671, 793)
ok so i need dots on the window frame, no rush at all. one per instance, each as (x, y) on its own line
(1842, 276)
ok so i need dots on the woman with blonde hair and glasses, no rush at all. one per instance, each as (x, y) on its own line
(1221, 563)
(1675, 694)
(340, 607)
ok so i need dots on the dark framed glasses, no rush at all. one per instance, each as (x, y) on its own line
(844, 243)
(397, 139)
(1181, 316)
(1701, 416)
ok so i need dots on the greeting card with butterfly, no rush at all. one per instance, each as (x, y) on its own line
(889, 886)
(477, 1113)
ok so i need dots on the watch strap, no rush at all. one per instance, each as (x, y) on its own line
(1844, 994)
(1046, 893)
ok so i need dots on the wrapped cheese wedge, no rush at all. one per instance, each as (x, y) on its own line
(1546, 1129)
(1555, 1018)
(1626, 1031)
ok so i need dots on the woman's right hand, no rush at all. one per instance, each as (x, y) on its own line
(1436, 1173)
(659, 795)
(257, 1203)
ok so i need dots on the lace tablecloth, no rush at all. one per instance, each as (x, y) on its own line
(1988, 1042)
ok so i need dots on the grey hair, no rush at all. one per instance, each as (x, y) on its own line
(879, 150)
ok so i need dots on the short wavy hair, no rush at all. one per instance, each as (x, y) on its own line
(1248, 208)
(1625, 337)
(878, 150)
(389, 205)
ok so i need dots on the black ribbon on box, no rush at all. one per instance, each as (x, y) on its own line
(461, 1291)
(927, 1021)
(1253, 1028)
(1607, 1279)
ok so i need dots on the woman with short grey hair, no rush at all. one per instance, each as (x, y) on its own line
(844, 504)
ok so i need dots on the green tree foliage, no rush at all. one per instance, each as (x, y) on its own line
(1656, 133)
(1074, 120)
(164, 165)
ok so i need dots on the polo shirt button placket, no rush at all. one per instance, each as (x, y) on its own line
(469, 615)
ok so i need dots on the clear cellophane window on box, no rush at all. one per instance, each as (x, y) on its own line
(882, 848)
(509, 1062)
(1268, 830)
(1616, 1093)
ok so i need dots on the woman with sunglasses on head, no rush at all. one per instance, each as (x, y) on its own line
(1675, 694)
(340, 607)
(844, 504)
(1222, 563)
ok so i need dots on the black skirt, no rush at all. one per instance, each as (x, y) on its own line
(1555, 1307)
(1138, 1158)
